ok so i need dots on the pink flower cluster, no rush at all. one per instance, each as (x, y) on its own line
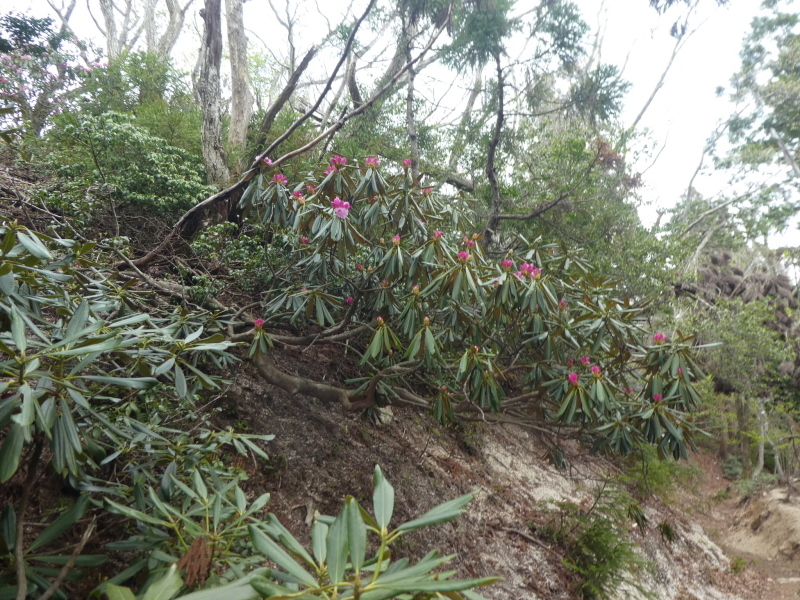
(507, 265)
(299, 197)
(573, 379)
(659, 338)
(597, 372)
(585, 360)
(396, 240)
(311, 189)
(258, 323)
(406, 163)
(437, 235)
(562, 305)
(267, 161)
(340, 208)
(427, 191)
(372, 162)
(350, 300)
(657, 397)
(304, 240)
(464, 256)
(280, 178)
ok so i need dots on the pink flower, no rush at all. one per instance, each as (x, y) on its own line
(311, 189)
(303, 240)
(338, 161)
(562, 305)
(280, 178)
(507, 264)
(519, 274)
(659, 338)
(596, 372)
(627, 391)
(258, 323)
(680, 372)
(437, 235)
(536, 273)
(464, 256)
(570, 361)
(415, 290)
(329, 170)
(350, 300)
(470, 243)
(299, 196)
(372, 162)
(359, 267)
(657, 397)
(573, 379)
(406, 163)
(385, 283)
(372, 200)
(267, 161)
(340, 209)
(585, 360)
(396, 240)
(427, 191)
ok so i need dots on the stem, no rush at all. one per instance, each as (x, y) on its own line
(19, 551)
(62, 574)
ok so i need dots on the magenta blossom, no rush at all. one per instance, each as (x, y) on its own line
(359, 267)
(299, 197)
(338, 161)
(427, 191)
(585, 360)
(657, 397)
(562, 305)
(596, 372)
(372, 162)
(267, 161)
(280, 178)
(406, 163)
(570, 361)
(385, 283)
(340, 208)
(350, 300)
(659, 338)
(573, 379)
(536, 273)
(680, 372)
(437, 235)
(396, 240)
(258, 323)
(470, 243)
(311, 189)
(519, 274)
(464, 256)
(507, 264)
(329, 170)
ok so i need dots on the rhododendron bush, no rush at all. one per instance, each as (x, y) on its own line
(397, 274)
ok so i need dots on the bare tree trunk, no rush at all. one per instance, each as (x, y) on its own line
(743, 421)
(411, 123)
(177, 15)
(241, 96)
(209, 93)
(492, 223)
(120, 37)
(762, 438)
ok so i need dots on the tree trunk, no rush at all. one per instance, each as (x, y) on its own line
(209, 92)
(241, 96)
(762, 438)
(743, 421)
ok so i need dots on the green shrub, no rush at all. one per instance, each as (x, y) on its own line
(595, 539)
(732, 468)
(109, 159)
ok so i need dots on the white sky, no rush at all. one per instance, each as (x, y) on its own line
(681, 118)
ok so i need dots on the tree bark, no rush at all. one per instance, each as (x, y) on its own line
(209, 93)
(492, 223)
(241, 95)
(743, 421)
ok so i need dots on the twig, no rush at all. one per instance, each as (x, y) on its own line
(62, 574)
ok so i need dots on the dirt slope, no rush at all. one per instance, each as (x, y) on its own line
(320, 455)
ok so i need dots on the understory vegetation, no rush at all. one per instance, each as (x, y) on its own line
(156, 248)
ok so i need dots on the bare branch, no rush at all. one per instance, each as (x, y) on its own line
(286, 93)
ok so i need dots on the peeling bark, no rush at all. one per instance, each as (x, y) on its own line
(241, 94)
(209, 94)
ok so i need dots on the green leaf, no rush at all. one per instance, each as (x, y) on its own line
(319, 533)
(441, 514)
(62, 523)
(116, 592)
(455, 585)
(180, 382)
(279, 556)
(34, 246)
(78, 321)
(134, 383)
(166, 587)
(356, 534)
(382, 499)
(338, 547)
(10, 452)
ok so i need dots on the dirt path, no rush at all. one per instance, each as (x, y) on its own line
(760, 533)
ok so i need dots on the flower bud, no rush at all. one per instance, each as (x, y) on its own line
(426, 321)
